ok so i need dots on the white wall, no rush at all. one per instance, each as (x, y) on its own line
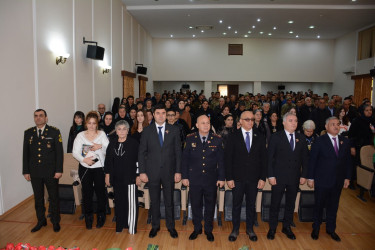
(31, 79)
(161, 86)
(286, 60)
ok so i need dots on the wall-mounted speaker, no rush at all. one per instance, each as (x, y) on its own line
(141, 70)
(95, 52)
(281, 87)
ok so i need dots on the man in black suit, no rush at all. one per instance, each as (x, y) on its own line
(43, 158)
(329, 171)
(246, 171)
(159, 160)
(287, 168)
(320, 115)
(203, 170)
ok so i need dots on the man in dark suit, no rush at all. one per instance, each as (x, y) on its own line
(43, 158)
(246, 171)
(329, 171)
(203, 170)
(159, 160)
(287, 168)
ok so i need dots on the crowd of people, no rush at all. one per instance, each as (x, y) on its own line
(286, 138)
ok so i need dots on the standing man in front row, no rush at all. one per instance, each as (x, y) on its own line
(329, 171)
(203, 170)
(159, 160)
(287, 168)
(43, 158)
(246, 171)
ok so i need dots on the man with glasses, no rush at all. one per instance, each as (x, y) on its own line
(245, 170)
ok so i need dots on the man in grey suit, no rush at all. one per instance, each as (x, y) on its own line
(159, 160)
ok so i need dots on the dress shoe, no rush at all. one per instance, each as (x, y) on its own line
(233, 236)
(173, 233)
(100, 221)
(38, 226)
(88, 220)
(315, 234)
(153, 232)
(195, 234)
(252, 235)
(210, 236)
(271, 234)
(288, 232)
(334, 236)
(56, 227)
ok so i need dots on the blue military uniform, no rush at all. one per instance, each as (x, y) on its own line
(203, 165)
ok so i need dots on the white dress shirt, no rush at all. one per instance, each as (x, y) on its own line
(162, 130)
(250, 135)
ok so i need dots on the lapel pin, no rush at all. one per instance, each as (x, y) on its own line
(341, 142)
(193, 145)
(166, 131)
(297, 140)
(208, 142)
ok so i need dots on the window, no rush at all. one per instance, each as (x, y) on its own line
(223, 89)
(366, 43)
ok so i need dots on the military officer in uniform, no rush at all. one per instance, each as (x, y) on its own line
(43, 165)
(203, 170)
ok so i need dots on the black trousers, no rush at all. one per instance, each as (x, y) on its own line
(198, 193)
(52, 185)
(126, 207)
(250, 190)
(92, 179)
(290, 200)
(328, 198)
(168, 189)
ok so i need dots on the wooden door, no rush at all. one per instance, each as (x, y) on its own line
(128, 83)
(142, 85)
(362, 88)
(232, 89)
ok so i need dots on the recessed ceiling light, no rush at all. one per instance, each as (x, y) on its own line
(253, 27)
(274, 28)
(220, 21)
(246, 36)
(258, 20)
(235, 32)
(290, 21)
(270, 34)
(202, 31)
(318, 36)
(261, 32)
(249, 31)
(224, 33)
(291, 32)
(229, 27)
(188, 14)
(297, 36)
(193, 35)
(171, 36)
(354, 0)
(311, 26)
(191, 27)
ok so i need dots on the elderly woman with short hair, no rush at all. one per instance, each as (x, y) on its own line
(122, 173)
(308, 130)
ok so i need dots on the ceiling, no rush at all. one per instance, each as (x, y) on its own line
(180, 18)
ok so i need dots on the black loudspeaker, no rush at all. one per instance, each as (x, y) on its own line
(141, 70)
(372, 72)
(95, 52)
(266, 206)
(306, 207)
(281, 87)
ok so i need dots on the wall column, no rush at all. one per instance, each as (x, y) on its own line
(257, 87)
(207, 88)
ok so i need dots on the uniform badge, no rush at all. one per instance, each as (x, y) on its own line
(48, 145)
(42, 137)
(208, 142)
(193, 145)
(31, 139)
(297, 140)
(60, 140)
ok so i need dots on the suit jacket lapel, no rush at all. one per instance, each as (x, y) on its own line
(155, 132)
(284, 138)
(330, 145)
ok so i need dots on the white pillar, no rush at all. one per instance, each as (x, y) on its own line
(207, 88)
(257, 87)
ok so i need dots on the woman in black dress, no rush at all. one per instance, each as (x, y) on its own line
(78, 126)
(139, 124)
(274, 123)
(122, 173)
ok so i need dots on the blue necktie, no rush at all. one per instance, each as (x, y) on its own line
(160, 136)
(291, 142)
(204, 141)
(248, 142)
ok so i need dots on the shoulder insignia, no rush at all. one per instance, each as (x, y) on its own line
(190, 135)
(216, 135)
(30, 129)
(53, 127)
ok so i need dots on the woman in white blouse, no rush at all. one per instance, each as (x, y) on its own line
(89, 149)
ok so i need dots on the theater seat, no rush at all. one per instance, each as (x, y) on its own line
(365, 171)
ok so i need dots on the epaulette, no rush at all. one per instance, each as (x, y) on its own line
(191, 134)
(29, 129)
(53, 127)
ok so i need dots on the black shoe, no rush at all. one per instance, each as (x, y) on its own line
(88, 220)
(271, 234)
(288, 232)
(210, 236)
(334, 236)
(56, 227)
(38, 226)
(153, 232)
(233, 236)
(315, 234)
(252, 235)
(173, 233)
(100, 221)
(195, 234)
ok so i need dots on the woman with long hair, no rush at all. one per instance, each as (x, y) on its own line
(344, 121)
(77, 127)
(274, 123)
(139, 124)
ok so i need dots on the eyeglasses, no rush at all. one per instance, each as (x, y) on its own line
(249, 119)
(170, 115)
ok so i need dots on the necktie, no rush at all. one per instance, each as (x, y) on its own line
(204, 141)
(40, 133)
(160, 136)
(291, 142)
(247, 142)
(335, 146)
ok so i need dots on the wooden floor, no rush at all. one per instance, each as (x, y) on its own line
(355, 226)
